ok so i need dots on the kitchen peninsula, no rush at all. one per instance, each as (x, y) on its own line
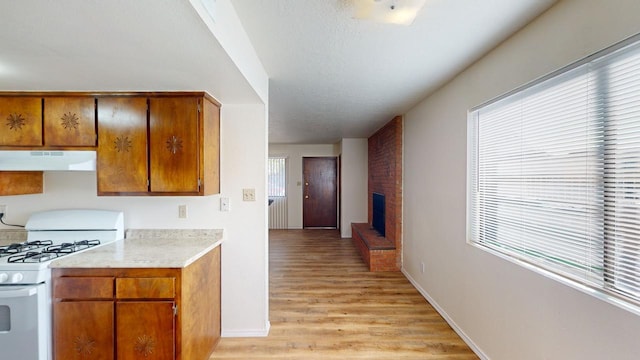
(153, 295)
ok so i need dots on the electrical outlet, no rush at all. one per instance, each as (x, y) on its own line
(3, 210)
(224, 204)
(182, 211)
(248, 194)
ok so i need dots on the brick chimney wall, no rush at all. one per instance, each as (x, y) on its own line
(385, 177)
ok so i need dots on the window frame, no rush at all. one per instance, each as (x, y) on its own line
(606, 294)
(285, 177)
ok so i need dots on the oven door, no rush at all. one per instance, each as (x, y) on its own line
(24, 322)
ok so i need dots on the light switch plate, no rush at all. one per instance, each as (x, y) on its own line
(182, 211)
(224, 204)
(248, 194)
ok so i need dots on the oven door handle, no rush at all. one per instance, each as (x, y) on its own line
(23, 292)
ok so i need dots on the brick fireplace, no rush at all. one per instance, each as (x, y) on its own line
(385, 177)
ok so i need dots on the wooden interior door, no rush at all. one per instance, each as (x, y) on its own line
(320, 192)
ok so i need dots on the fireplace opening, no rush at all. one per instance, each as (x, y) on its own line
(377, 220)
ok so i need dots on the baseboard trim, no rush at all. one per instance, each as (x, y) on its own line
(446, 317)
(247, 333)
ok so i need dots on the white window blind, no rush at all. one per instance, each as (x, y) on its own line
(277, 181)
(554, 174)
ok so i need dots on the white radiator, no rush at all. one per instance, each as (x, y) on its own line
(278, 213)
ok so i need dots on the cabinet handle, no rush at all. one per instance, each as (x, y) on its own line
(145, 345)
(174, 144)
(20, 293)
(69, 121)
(15, 121)
(84, 345)
(306, 196)
(122, 144)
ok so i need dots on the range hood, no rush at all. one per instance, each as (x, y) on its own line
(47, 160)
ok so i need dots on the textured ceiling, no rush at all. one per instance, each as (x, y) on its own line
(114, 45)
(332, 76)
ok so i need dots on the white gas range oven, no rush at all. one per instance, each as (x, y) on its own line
(25, 277)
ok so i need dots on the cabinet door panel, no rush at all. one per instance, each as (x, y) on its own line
(145, 330)
(173, 128)
(21, 121)
(21, 182)
(122, 145)
(69, 121)
(83, 330)
(211, 143)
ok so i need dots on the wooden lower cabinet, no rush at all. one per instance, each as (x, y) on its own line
(84, 330)
(142, 329)
(146, 330)
(137, 313)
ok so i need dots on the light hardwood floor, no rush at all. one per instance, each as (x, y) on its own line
(324, 304)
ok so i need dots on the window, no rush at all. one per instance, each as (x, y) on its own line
(554, 175)
(277, 177)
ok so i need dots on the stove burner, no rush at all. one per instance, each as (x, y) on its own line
(16, 248)
(32, 257)
(50, 252)
(68, 248)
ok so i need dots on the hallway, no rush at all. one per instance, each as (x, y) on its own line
(324, 304)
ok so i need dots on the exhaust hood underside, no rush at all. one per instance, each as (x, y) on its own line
(47, 160)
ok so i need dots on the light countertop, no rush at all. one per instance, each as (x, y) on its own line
(9, 236)
(143, 248)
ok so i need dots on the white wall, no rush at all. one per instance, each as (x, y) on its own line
(245, 269)
(507, 311)
(244, 252)
(354, 181)
(294, 154)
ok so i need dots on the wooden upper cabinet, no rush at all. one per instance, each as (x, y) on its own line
(148, 143)
(210, 159)
(158, 144)
(69, 121)
(122, 145)
(21, 182)
(173, 145)
(21, 121)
